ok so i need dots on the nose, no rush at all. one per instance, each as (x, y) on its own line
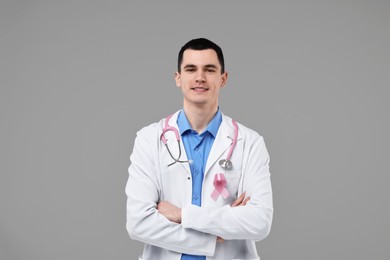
(200, 77)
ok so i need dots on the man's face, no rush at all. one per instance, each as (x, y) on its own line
(200, 78)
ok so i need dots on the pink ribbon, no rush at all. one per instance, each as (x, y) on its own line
(220, 186)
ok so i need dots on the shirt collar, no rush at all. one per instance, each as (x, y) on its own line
(212, 128)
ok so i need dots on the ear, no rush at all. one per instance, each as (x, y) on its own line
(177, 79)
(224, 79)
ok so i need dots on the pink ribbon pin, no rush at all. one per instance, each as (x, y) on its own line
(220, 186)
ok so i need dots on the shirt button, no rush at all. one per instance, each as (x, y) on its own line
(196, 148)
(195, 198)
(196, 171)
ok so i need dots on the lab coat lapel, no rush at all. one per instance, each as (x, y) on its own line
(222, 142)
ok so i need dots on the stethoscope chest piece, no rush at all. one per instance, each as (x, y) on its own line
(226, 164)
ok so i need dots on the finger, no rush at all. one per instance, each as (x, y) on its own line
(238, 200)
(246, 200)
(220, 240)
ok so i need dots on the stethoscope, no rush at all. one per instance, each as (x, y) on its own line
(224, 163)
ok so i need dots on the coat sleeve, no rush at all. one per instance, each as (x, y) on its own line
(144, 222)
(252, 221)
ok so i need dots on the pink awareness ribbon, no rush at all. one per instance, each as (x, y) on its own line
(220, 186)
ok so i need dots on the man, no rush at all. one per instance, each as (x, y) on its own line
(212, 199)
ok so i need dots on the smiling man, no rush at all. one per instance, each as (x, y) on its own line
(200, 79)
(199, 183)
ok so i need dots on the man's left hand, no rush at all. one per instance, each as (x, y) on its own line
(170, 211)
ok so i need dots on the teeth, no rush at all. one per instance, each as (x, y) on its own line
(200, 90)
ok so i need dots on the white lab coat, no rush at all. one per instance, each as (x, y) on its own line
(151, 180)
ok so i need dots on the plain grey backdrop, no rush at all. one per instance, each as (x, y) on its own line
(79, 78)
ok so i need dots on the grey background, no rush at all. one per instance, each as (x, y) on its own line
(79, 78)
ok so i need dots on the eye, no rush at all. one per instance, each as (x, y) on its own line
(190, 70)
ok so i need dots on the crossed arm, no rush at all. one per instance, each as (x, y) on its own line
(173, 213)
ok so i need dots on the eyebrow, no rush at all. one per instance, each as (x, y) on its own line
(189, 66)
(211, 66)
(206, 66)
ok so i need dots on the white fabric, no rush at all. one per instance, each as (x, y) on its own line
(151, 180)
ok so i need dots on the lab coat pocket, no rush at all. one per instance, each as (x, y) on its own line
(233, 174)
(232, 182)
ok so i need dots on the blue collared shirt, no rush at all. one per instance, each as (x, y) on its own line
(197, 148)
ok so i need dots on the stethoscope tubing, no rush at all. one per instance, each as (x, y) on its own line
(225, 163)
(235, 137)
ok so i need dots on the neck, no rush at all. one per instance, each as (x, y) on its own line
(199, 117)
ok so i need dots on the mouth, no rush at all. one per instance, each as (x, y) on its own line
(199, 89)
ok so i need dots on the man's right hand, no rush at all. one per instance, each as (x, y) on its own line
(240, 201)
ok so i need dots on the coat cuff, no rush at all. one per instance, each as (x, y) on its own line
(186, 216)
(186, 220)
